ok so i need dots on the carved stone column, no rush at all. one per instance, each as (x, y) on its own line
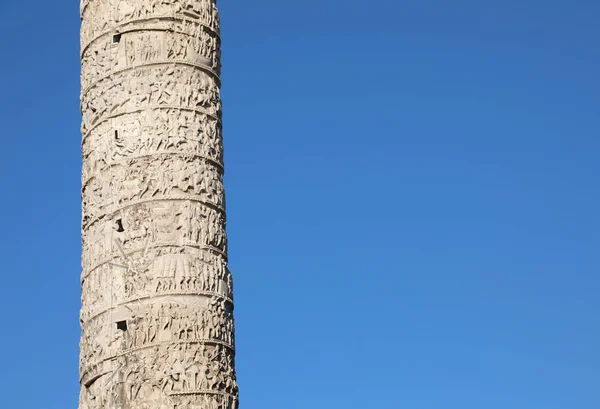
(157, 295)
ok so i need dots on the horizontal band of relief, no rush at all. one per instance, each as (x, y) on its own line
(156, 296)
(114, 210)
(187, 245)
(150, 107)
(155, 155)
(118, 28)
(89, 368)
(149, 64)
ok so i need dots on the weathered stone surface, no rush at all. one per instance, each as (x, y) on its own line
(157, 294)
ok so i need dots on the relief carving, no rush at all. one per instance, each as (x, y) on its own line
(151, 179)
(167, 85)
(167, 375)
(157, 294)
(134, 13)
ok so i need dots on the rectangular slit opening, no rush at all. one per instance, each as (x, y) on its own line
(122, 325)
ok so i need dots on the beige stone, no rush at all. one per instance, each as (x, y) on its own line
(157, 294)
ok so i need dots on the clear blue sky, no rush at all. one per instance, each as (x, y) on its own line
(413, 202)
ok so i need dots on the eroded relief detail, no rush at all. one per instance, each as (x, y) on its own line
(101, 17)
(193, 45)
(157, 294)
(159, 86)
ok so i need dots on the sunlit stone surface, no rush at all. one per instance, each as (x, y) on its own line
(157, 309)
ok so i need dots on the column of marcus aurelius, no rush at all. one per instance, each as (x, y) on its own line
(157, 310)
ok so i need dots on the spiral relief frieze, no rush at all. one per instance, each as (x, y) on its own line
(157, 294)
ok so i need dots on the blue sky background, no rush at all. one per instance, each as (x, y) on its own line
(412, 193)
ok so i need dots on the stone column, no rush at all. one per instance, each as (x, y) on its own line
(157, 295)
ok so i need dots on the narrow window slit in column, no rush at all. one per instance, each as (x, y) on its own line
(122, 325)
